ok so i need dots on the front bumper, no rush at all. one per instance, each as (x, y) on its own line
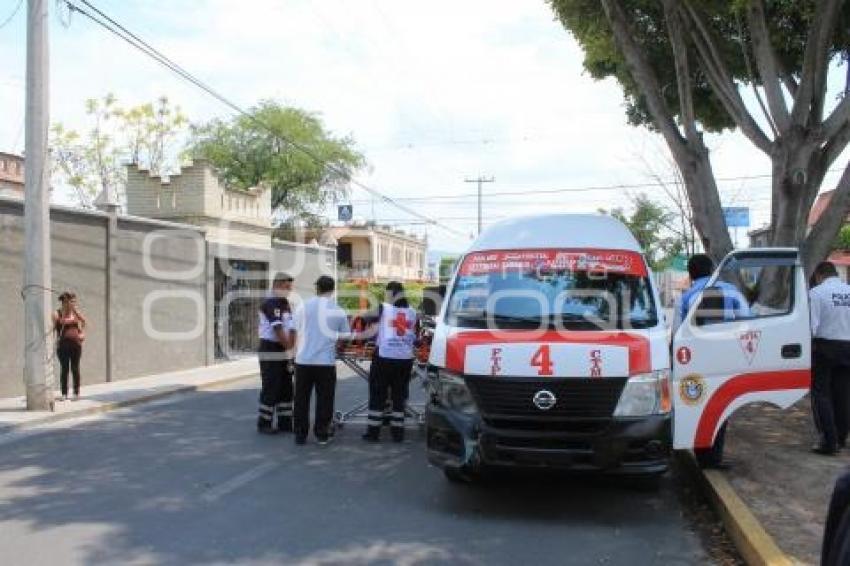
(626, 446)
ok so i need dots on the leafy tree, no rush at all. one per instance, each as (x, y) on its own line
(95, 161)
(683, 64)
(654, 228)
(446, 268)
(842, 241)
(252, 150)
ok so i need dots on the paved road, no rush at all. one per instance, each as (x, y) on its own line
(187, 481)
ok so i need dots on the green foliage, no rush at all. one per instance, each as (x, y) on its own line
(788, 23)
(94, 161)
(842, 241)
(650, 223)
(250, 151)
(447, 267)
(348, 294)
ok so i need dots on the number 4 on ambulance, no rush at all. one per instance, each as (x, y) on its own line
(543, 361)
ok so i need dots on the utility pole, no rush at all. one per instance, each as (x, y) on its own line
(480, 181)
(38, 338)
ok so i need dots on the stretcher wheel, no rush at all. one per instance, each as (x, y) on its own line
(338, 419)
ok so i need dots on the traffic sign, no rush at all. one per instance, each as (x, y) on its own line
(736, 216)
(345, 212)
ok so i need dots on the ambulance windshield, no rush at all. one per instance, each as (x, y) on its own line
(553, 289)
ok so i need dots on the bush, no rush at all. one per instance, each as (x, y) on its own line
(348, 295)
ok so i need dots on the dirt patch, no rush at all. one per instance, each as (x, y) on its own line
(787, 486)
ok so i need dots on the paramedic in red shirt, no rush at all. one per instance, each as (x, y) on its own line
(69, 325)
(392, 363)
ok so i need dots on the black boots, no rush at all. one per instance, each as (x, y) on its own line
(372, 434)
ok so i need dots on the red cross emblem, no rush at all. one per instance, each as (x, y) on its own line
(401, 324)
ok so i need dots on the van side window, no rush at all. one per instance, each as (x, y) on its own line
(749, 288)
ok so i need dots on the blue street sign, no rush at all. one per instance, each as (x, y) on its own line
(345, 212)
(736, 216)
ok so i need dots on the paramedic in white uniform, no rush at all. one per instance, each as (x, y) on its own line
(392, 362)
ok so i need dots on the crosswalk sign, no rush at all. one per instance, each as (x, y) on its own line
(345, 212)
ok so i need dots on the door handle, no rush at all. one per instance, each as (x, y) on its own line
(792, 351)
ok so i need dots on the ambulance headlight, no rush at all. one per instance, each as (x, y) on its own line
(454, 394)
(645, 394)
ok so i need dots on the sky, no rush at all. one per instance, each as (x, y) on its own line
(433, 93)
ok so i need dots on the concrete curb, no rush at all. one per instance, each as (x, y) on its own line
(113, 405)
(756, 546)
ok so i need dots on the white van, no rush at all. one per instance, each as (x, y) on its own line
(551, 350)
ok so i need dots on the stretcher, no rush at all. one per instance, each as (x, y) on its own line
(357, 356)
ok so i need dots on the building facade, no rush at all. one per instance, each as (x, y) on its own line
(377, 253)
(196, 196)
(760, 237)
(11, 175)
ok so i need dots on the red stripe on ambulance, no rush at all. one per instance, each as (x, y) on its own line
(740, 385)
(639, 353)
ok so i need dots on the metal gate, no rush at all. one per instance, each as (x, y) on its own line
(240, 287)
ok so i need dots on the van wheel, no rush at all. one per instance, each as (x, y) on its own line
(461, 475)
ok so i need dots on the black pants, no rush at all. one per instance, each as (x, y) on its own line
(712, 457)
(323, 380)
(388, 377)
(276, 373)
(831, 390)
(69, 353)
(836, 534)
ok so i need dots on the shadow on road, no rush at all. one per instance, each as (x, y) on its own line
(190, 482)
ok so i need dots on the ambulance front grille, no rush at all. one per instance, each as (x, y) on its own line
(576, 398)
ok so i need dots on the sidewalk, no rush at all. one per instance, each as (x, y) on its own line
(785, 485)
(107, 396)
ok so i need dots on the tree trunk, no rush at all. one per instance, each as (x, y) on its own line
(798, 171)
(818, 244)
(695, 166)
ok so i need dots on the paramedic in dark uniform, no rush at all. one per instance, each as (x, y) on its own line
(275, 355)
(829, 301)
(392, 363)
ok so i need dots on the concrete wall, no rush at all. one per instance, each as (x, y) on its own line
(145, 286)
(160, 282)
(304, 262)
(78, 242)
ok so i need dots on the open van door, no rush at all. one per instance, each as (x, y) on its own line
(746, 339)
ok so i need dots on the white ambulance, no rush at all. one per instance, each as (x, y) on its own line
(551, 350)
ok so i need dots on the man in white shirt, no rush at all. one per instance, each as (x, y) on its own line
(319, 324)
(829, 301)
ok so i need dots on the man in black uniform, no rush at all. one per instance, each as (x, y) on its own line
(275, 353)
(829, 305)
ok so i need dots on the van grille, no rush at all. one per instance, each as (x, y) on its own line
(577, 398)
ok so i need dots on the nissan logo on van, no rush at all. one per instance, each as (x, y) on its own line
(544, 400)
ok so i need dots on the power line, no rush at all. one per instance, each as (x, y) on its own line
(12, 15)
(589, 188)
(140, 44)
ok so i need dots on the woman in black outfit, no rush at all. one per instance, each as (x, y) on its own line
(69, 325)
